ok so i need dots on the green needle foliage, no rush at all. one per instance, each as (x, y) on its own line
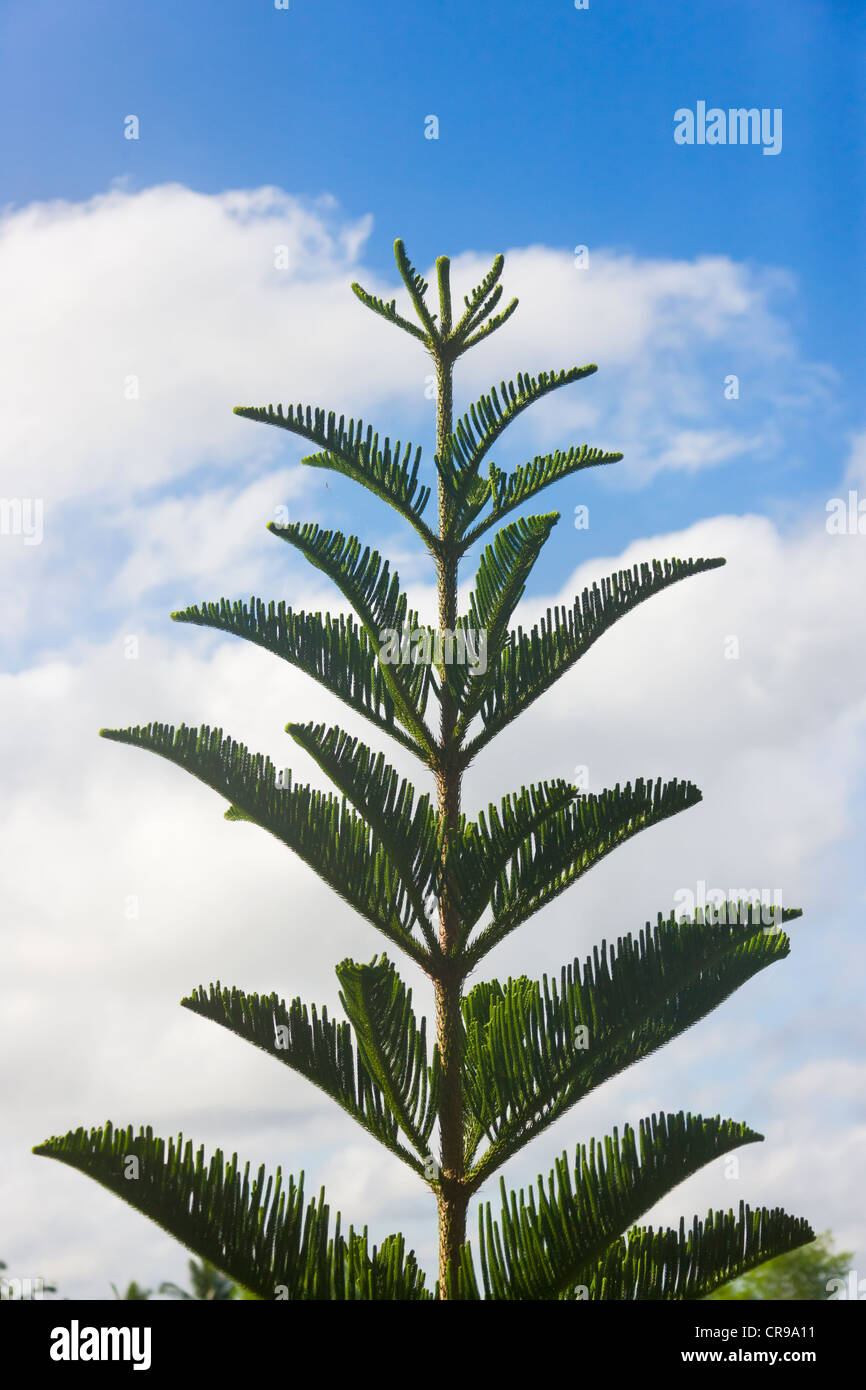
(507, 1060)
(812, 1273)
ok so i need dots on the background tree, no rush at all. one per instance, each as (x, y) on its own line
(207, 1283)
(508, 1059)
(801, 1274)
(6, 1284)
(135, 1293)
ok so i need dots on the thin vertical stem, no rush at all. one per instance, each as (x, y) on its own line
(453, 1198)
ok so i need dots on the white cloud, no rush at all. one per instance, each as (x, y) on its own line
(225, 901)
(205, 539)
(178, 290)
(692, 450)
(180, 287)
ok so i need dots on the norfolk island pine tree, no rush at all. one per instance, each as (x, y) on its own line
(508, 1060)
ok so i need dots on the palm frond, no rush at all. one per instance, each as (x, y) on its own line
(533, 1051)
(566, 845)
(665, 1265)
(480, 304)
(509, 490)
(496, 322)
(259, 1232)
(388, 311)
(335, 651)
(484, 847)
(313, 1045)
(388, 472)
(407, 831)
(541, 1247)
(443, 281)
(393, 1045)
(503, 570)
(318, 826)
(417, 288)
(477, 431)
(374, 593)
(530, 663)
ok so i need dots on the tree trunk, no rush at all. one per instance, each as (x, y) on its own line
(453, 1199)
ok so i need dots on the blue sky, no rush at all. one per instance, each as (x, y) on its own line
(555, 128)
(152, 260)
(555, 123)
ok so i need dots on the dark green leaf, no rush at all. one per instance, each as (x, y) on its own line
(543, 1246)
(258, 1232)
(318, 826)
(530, 663)
(335, 651)
(311, 1044)
(393, 1046)
(354, 452)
